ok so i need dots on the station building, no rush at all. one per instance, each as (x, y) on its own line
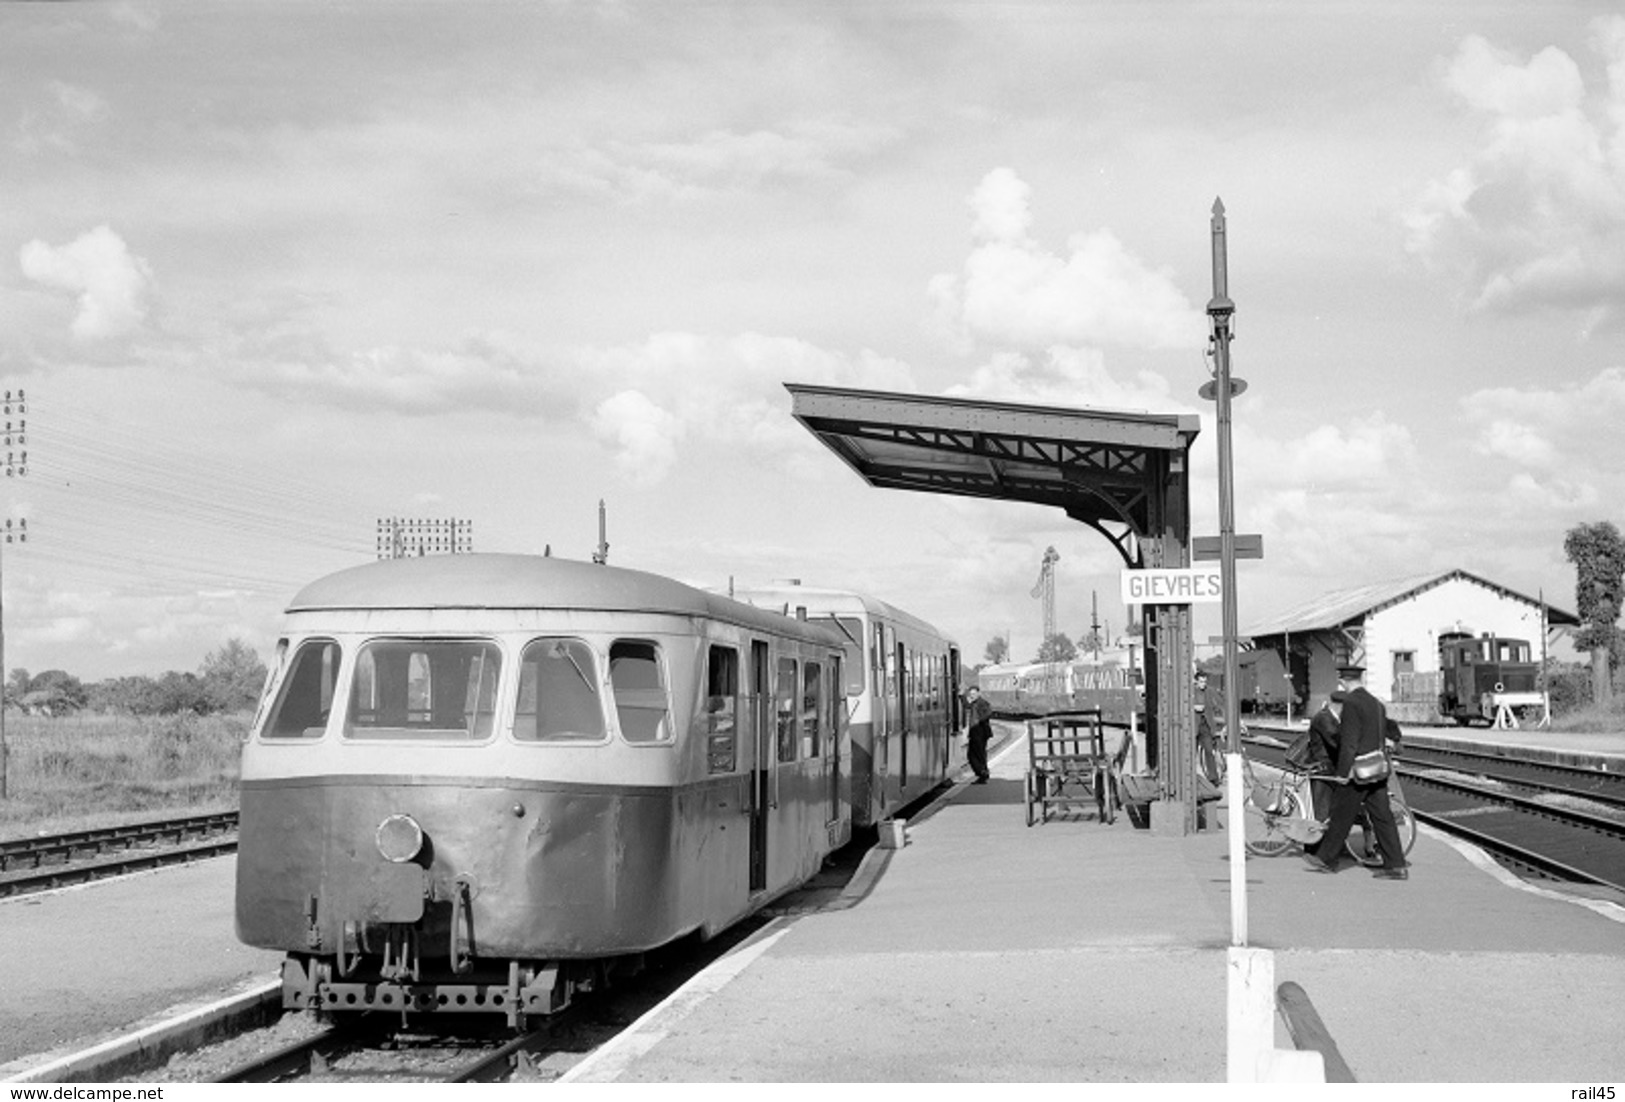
(1393, 628)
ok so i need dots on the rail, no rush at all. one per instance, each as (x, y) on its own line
(56, 861)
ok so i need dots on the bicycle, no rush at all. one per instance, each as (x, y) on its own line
(1278, 813)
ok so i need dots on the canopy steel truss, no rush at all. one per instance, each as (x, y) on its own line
(1122, 474)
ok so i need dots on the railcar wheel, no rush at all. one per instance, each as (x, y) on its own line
(1262, 830)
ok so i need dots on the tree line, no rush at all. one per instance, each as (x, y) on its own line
(229, 680)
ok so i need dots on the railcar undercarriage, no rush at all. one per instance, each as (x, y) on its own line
(406, 984)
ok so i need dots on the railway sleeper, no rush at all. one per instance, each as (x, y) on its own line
(530, 989)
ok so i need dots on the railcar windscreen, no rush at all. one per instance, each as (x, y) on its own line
(852, 628)
(306, 697)
(558, 693)
(424, 689)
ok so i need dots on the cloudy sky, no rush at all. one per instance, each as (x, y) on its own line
(270, 271)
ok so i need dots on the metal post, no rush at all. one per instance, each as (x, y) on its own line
(1220, 310)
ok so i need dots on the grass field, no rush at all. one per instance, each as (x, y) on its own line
(84, 771)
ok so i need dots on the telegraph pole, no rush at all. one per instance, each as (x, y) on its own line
(406, 538)
(16, 464)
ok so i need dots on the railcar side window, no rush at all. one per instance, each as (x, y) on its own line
(784, 708)
(721, 709)
(640, 691)
(424, 689)
(558, 692)
(812, 703)
(306, 699)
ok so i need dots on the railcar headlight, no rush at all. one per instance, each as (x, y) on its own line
(399, 838)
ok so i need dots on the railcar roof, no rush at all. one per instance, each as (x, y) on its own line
(501, 581)
(823, 599)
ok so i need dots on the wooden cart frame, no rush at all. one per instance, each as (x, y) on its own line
(1068, 766)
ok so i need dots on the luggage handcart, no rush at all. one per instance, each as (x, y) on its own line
(1067, 766)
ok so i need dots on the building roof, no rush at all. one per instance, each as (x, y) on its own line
(1342, 606)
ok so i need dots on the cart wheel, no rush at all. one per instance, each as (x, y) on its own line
(1031, 798)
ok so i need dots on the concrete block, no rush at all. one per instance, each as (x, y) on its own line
(1167, 818)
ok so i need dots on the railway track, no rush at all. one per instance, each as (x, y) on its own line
(1550, 821)
(338, 1055)
(297, 1048)
(54, 861)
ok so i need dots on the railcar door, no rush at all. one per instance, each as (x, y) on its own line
(905, 713)
(762, 760)
(835, 694)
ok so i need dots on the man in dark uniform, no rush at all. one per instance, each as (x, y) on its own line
(1209, 718)
(1323, 743)
(979, 729)
(1360, 730)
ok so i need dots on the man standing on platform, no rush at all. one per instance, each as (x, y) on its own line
(1360, 730)
(979, 730)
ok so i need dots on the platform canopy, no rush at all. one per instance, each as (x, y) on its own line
(1111, 470)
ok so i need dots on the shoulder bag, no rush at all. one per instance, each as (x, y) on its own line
(1370, 766)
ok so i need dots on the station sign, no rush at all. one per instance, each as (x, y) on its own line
(1249, 545)
(1194, 585)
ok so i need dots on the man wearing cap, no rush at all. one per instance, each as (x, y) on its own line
(978, 731)
(1209, 717)
(1360, 730)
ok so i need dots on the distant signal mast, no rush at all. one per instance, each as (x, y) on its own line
(1045, 590)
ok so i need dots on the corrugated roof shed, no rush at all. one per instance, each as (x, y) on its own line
(1345, 605)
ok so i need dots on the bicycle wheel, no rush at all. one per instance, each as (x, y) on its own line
(1403, 818)
(1362, 842)
(1262, 830)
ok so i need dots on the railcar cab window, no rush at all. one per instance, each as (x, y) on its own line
(559, 696)
(785, 692)
(812, 701)
(721, 709)
(306, 698)
(640, 691)
(424, 689)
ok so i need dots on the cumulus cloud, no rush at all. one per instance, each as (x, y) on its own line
(1561, 442)
(1065, 376)
(112, 284)
(683, 386)
(644, 436)
(1011, 290)
(719, 162)
(486, 372)
(1537, 218)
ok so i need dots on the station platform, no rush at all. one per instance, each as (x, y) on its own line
(1076, 951)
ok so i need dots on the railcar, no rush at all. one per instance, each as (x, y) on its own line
(1479, 674)
(1107, 681)
(479, 783)
(902, 692)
